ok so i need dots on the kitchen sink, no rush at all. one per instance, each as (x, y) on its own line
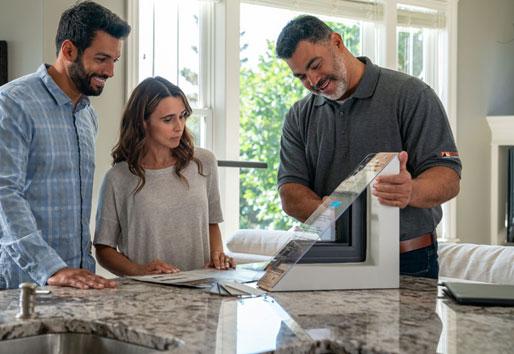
(68, 343)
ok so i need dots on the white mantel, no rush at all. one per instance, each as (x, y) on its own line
(502, 136)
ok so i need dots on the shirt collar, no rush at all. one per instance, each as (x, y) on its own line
(56, 92)
(366, 86)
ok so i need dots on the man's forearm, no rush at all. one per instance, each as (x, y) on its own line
(298, 200)
(33, 255)
(433, 187)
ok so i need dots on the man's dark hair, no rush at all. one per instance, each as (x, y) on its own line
(80, 23)
(302, 28)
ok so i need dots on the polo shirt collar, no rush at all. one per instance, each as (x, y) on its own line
(56, 92)
(366, 86)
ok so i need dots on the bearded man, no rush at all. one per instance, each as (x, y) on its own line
(47, 152)
(356, 108)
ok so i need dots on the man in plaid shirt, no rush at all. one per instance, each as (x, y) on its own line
(47, 152)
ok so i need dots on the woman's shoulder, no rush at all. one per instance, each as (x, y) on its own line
(205, 156)
(119, 173)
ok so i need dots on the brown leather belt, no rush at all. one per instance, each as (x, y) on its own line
(416, 243)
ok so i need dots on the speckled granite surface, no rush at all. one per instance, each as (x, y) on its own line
(411, 319)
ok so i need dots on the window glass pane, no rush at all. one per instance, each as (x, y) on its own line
(168, 43)
(268, 90)
(166, 40)
(410, 52)
(417, 54)
(403, 51)
(145, 54)
(195, 124)
(188, 51)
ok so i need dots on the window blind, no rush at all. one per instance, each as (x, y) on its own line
(422, 17)
(362, 10)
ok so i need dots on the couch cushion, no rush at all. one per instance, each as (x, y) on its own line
(243, 258)
(484, 263)
(261, 242)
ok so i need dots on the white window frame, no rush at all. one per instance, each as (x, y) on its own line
(206, 54)
(220, 35)
(226, 107)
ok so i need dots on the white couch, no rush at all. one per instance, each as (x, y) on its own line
(255, 245)
(491, 264)
(484, 263)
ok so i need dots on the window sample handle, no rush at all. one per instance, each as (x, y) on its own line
(242, 164)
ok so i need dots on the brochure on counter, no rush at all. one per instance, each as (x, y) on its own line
(202, 278)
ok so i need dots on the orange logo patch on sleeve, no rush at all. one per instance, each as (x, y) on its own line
(449, 154)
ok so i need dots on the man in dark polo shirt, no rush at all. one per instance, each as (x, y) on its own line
(356, 108)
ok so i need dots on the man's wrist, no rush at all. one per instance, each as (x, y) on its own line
(58, 270)
(134, 269)
(53, 272)
(413, 201)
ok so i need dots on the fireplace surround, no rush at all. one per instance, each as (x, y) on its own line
(502, 139)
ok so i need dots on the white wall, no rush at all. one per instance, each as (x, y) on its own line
(20, 25)
(485, 87)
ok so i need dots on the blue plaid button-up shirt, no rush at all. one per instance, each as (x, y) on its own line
(47, 156)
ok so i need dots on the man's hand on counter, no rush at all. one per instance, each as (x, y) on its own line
(80, 278)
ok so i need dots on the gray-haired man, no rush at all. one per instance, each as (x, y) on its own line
(356, 108)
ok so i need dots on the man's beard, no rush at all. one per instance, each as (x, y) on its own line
(339, 78)
(341, 88)
(82, 79)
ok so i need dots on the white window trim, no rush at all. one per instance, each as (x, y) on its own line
(226, 107)
(390, 24)
(369, 44)
(132, 48)
(450, 208)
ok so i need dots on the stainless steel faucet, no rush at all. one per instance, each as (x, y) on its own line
(28, 300)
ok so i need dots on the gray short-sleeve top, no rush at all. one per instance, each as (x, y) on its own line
(323, 141)
(166, 219)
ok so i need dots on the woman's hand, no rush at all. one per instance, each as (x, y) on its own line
(220, 260)
(156, 267)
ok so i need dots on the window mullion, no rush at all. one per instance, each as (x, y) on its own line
(411, 52)
(369, 46)
(132, 48)
(390, 23)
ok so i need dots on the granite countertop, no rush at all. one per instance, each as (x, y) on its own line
(412, 319)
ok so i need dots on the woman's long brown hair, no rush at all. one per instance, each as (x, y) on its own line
(131, 146)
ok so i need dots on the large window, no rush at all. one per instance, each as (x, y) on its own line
(221, 53)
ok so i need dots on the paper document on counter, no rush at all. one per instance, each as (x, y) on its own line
(202, 277)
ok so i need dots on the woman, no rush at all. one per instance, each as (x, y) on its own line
(159, 203)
